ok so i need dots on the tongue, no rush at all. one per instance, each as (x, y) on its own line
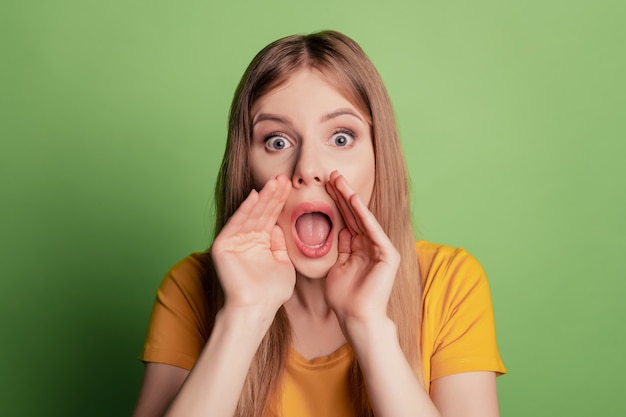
(313, 228)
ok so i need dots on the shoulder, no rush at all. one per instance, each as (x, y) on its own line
(182, 315)
(437, 261)
(449, 276)
(193, 264)
(189, 273)
(458, 327)
(189, 292)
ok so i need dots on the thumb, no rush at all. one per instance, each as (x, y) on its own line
(344, 246)
(277, 244)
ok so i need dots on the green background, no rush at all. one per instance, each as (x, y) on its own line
(112, 125)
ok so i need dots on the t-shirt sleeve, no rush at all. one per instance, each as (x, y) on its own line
(459, 309)
(178, 327)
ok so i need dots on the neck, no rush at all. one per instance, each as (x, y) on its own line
(309, 298)
(315, 329)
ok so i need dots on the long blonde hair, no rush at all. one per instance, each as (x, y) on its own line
(345, 64)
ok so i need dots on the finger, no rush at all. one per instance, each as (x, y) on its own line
(331, 191)
(344, 209)
(275, 208)
(365, 219)
(242, 213)
(344, 193)
(372, 228)
(270, 202)
(349, 194)
(342, 203)
(257, 219)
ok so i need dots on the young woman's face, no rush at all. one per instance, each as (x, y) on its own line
(305, 129)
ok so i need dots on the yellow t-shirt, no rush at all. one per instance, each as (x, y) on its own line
(457, 330)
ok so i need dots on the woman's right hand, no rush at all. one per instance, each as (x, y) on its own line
(250, 254)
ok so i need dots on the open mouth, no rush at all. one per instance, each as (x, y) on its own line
(312, 229)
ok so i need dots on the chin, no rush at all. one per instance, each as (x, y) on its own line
(313, 268)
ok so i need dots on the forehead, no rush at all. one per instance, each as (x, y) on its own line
(311, 90)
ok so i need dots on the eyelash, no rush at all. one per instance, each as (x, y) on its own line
(272, 135)
(343, 130)
(346, 132)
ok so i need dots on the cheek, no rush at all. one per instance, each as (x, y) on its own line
(365, 188)
(259, 177)
(361, 177)
(263, 169)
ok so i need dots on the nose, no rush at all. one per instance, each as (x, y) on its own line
(308, 169)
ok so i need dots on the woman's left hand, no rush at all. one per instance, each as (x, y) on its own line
(358, 286)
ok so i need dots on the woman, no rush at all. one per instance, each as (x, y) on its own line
(312, 301)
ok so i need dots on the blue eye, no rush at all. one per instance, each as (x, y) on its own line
(342, 138)
(277, 143)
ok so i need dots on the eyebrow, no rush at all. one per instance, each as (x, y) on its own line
(287, 121)
(341, 112)
(274, 117)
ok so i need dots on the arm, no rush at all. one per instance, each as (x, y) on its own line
(214, 385)
(461, 332)
(160, 384)
(394, 390)
(223, 363)
(249, 249)
(393, 387)
(366, 269)
(466, 395)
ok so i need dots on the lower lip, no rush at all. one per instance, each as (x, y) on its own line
(314, 251)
